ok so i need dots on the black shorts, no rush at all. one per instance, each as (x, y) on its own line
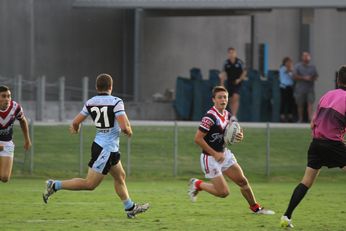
(233, 89)
(101, 161)
(326, 153)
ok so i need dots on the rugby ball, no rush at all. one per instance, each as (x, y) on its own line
(231, 131)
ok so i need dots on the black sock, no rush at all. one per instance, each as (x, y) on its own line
(298, 194)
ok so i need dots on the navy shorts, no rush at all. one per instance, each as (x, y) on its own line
(327, 153)
(102, 160)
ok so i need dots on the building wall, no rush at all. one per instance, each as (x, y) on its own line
(328, 46)
(77, 42)
(70, 42)
(173, 45)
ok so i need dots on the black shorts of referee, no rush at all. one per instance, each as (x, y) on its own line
(327, 153)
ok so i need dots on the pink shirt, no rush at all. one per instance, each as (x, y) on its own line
(330, 118)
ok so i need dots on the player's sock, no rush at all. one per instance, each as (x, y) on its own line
(128, 204)
(298, 194)
(255, 207)
(57, 185)
(198, 185)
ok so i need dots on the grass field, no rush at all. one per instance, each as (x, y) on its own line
(22, 208)
(57, 156)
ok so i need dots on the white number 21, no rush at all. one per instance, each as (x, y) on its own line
(98, 111)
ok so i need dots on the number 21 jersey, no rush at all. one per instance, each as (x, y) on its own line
(104, 109)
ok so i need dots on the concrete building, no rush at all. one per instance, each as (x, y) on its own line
(147, 52)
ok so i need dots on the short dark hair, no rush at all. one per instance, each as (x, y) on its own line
(4, 88)
(104, 82)
(218, 89)
(285, 60)
(230, 49)
(342, 75)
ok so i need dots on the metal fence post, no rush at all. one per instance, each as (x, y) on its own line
(81, 150)
(85, 88)
(128, 168)
(40, 97)
(62, 98)
(175, 148)
(18, 88)
(268, 150)
(32, 150)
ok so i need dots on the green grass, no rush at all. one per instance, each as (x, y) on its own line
(22, 207)
(57, 156)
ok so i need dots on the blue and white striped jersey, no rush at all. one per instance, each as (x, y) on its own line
(104, 109)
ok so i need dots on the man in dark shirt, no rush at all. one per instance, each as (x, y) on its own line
(234, 73)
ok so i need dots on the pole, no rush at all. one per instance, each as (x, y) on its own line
(40, 97)
(268, 150)
(19, 88)
(62, 98)
(137, 53)
(85, 88)
(128, 169)
(81, 151)
(175, 157)
(32, 149)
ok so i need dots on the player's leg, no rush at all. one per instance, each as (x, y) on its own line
(131, 208)
(6, 163)
(235, 173)
(344, 168)
(298, 195)
(92, 180)
(217, 187)
(118, 174)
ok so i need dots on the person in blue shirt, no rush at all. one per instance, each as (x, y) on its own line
(286, 90)
(110, 119)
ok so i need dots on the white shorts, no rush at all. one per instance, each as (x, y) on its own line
(8, 148)
(212, 168)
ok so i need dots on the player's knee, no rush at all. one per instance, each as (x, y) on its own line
(223, 193)
(4, 179)
(120, 178)
(90, 186)
(243, 183)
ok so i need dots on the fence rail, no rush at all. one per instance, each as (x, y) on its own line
(157, 148)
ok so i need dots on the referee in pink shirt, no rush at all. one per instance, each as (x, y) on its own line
(327, 148)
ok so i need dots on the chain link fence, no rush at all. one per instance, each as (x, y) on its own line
(161, 149)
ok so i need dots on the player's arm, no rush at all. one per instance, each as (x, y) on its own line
(241, 78)
(25, 129)
(199, 140)
(222, 77)
(124, 124)
(75, 125)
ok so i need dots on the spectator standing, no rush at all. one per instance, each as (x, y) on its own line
(234, 73)
(286, 90)
(305, 74)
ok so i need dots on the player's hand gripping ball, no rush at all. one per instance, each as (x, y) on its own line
(233, 133)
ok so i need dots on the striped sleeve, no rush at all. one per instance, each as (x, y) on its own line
(19, 113)
(85, 111)
(206, 123)
(119, 108)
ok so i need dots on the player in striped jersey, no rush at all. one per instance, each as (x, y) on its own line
(110, 119)
(216, 159)
(9, 112)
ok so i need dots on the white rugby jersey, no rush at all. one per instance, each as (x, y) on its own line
(7, 118)
(104, 109)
